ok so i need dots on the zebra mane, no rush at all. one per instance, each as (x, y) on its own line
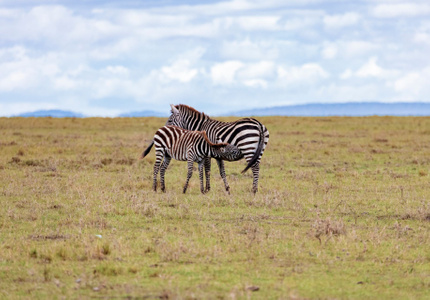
(191, 109)
(203, 133)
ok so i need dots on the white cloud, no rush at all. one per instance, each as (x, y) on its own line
(19, 72)
(249, 50)
(329, 51)
(256, 83)
(180, 71)
(357, 48)
(118, 70)
(107, 87)
(305, 74)
(301, 21)
(114, 49)
(346, 74)
(64, 83)
(16, 80)
(221, 7)
(394, 10)
(258, 22)
(224, 73)
(414, 85)
(370, 69)
(422, 38)
(339, 21)
(262, 69)
(360, 92)
(250, 75)
(138, 18)
(409, 83)
(349, 49)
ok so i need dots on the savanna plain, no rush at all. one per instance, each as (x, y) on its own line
(342, 212)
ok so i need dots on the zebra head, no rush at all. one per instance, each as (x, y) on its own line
(186, 117)
(175, 118)
(221, 150)
(229, 152)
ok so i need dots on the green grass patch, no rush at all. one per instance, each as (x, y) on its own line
(342, 212)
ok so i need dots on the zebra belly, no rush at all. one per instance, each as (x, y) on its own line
(177, 156)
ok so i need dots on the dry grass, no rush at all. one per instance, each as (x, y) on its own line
(342, 212)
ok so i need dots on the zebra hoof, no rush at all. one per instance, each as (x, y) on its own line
(227, 189)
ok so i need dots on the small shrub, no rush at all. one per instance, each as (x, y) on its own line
(106, 249)
(108, 270)
(46, 258)
(422, 173)
(33, 253)
(106, 161)
(46, 274)
(380, 140)
(125, 161)
(328, 227)
(62, 253)
(15, 160)
(32, 163)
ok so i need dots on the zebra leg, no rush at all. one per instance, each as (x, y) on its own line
(255, 172)
(201, 164)
(159, 157)
(189, 174)
(207, 163)
(222, 173)
(163, 168)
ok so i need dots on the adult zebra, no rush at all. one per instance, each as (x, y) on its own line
(248, 134)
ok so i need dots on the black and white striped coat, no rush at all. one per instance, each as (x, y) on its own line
(185, 145)
(248, 134)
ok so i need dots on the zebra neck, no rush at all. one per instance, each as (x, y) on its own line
(211, 126)
(204, 124)
(199, 122)
(213, 152)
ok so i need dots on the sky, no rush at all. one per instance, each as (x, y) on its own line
(103, 58)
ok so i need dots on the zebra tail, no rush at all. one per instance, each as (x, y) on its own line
(145, 153)
(257, 153)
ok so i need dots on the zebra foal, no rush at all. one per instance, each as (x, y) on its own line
(185, 145)
(248, 134)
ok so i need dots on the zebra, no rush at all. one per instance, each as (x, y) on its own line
(248, 134)
(185, 145)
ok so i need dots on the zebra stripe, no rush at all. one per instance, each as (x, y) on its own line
(184, 145)
(248, 134)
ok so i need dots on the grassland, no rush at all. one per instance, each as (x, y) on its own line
(343, 211)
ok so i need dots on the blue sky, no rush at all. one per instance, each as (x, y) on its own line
(102, 58)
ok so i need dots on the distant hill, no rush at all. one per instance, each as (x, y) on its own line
(55, 113)
(341, 109)
(311, 110)
(144, 113)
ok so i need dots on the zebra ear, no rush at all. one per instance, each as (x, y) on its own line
(174, 109)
